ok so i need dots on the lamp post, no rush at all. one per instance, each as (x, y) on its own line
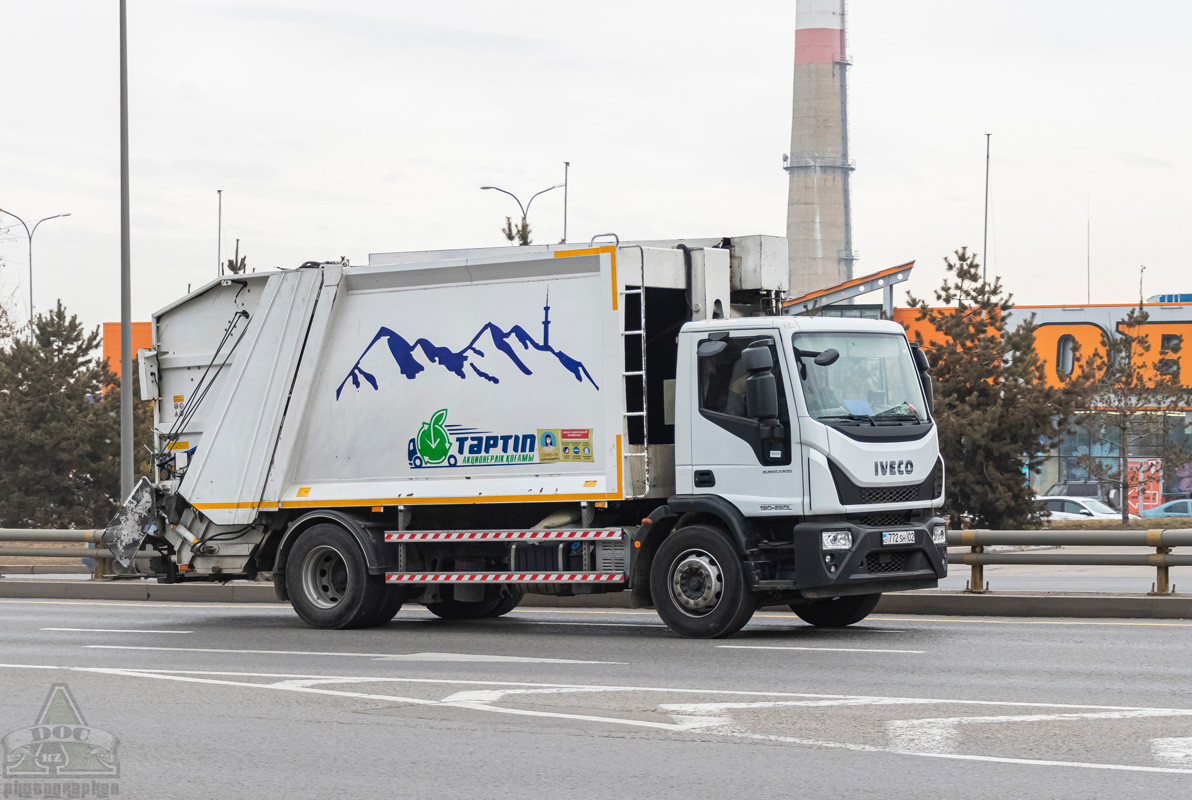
(29, 236)
(525, 210)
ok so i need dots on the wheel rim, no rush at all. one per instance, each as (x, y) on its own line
(697, 583)
(325, 576)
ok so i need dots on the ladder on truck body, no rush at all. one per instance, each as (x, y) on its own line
(628, 376)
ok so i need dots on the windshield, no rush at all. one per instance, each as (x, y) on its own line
(1098, 507)
(874, 379)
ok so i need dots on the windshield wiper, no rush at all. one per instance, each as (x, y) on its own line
(902, 417)
(851, 417)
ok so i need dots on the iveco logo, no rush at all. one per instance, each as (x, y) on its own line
(893, 467)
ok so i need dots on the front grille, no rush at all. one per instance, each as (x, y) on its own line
(931, 487)
(877, 563)
(890, 494)
(886, 519)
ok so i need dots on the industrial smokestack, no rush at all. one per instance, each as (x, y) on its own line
(818, 228)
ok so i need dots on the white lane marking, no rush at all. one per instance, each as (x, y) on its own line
(829, 649)
(865, 748)
(710, 725)
(374, 656)
(668, 726)
(487, 658)
(941, 734)
(874, 699)
(704, 708)
(1172, 751)
(111, 630)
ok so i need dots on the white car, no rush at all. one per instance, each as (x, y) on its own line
(1080, 508)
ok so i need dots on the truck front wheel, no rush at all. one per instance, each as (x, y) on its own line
(837, 612)
(329, 585)
(698, 584)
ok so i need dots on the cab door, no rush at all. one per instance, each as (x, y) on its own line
(740, 449)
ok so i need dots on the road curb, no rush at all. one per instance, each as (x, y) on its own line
(928, 602)
(1037, 604)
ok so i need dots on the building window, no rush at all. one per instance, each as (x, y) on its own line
(1065, 356)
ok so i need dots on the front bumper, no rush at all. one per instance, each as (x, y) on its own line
(867, 567)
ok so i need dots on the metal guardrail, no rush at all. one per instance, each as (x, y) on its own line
(28, 536)
(1162, 560)
(1162, 540)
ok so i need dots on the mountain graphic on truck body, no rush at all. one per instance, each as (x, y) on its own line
(490, 350)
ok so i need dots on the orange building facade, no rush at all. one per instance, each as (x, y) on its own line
(1064, 331)
(142, 337)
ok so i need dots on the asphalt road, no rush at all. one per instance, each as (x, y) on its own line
(244, 702)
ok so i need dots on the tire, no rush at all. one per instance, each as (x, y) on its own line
(507, 602)
(391, 603)
(450, 608)
(837, 612)
(329, 585)
(698, 583)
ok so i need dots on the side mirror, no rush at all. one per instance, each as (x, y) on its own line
(761, 390)
(761, 396)
(928, 391)
(711, 347)
(921, 362)
(1084, 512)
(757, 359)
(827, 358)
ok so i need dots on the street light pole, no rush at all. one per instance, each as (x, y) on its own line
(525, 210)
(29, 236)
(126, 430)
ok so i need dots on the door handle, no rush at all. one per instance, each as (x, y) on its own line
(704, 478)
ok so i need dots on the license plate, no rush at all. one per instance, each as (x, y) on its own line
(898, 537)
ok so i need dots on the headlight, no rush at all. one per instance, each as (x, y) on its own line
(939, 534)
(837, 540)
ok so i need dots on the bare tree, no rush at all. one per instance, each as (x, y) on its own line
(1135, 394)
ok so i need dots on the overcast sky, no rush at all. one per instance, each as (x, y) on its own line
(358, 126)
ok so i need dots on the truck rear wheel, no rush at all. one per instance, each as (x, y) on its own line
(494, 604)
(507, 602)
(329, 585)
(837, 612)
(698, 584)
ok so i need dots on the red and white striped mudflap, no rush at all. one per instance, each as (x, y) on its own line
(504, 577)
(501, 536)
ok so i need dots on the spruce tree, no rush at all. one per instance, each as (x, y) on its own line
(993, 406)
(60, 428)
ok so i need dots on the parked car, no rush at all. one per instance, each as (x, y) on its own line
(1080, 508)
(1174, 508)
(1107, 493)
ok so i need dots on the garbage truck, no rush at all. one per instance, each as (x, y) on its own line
(457, 429)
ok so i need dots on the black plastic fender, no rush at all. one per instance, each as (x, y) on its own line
(734, 521)
(365, 537)
(662, 520)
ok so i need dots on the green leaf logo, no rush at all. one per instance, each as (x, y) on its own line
(434, 443)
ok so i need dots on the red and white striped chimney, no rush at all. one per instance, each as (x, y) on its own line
(819, 232)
